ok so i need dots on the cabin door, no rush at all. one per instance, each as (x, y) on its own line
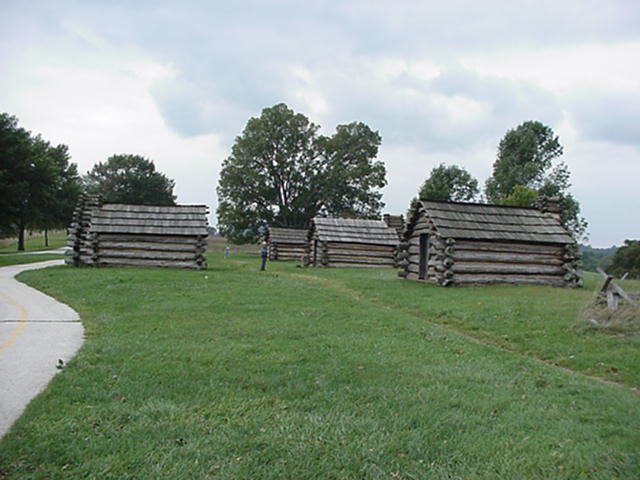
(424, 256)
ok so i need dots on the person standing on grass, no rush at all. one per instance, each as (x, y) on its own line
(227, 251)
(264, 253)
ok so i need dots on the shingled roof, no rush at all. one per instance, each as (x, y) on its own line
(374, 232)
(493, 222)
(287, 235)
(154, 220)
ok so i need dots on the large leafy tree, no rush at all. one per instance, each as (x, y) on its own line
(449, 184)
(446, 184)
(130, 179)
(525, 169)
(62, 196)
(15, 154)
(281, 171)
(525, 155)
(38, 184)
(627, 260)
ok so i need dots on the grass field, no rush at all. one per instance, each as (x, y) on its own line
(35, 242)
(297, 373)
(16, 259)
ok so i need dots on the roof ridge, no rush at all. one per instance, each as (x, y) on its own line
(481, 204)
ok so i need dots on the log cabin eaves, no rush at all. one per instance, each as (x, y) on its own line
(374, 232)
(490, 222)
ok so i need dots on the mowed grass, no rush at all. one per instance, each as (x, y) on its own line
(8, 259)
(536, 321)
(293, 373)
(32, 243)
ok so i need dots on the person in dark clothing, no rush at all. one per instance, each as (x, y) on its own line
(264, 253)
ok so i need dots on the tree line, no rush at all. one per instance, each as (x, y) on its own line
(39, 185)
(281, 171)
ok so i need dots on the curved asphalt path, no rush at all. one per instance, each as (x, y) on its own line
(35, 331)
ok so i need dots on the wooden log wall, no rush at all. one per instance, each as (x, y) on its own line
(473, 262)
(79, 239)
(286, 251)
(176, 251)
(439, 261)
(506, 262)
(340, 254)
(308, 254)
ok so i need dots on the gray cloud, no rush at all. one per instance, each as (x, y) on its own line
(608, 116)
(410, 111)
(231, 59)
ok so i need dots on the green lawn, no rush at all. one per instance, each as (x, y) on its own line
(535, 321)
(16, 259)
(57, 239)
(298, 373)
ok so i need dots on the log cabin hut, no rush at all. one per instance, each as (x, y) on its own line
(286, 243)
(341, 242)
(142, 235)
(451, 243)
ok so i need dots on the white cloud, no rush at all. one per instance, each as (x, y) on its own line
(306, 93)
(441, 82)
(561, 69)
(409, 166)
(109, 109)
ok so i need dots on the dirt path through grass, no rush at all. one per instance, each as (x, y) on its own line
(341, 288)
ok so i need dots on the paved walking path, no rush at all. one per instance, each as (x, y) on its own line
(35, 331)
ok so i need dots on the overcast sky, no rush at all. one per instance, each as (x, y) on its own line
(441, 81)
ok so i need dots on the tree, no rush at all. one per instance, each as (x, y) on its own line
(37, 182)
(524, 170)
(449, 184)
(594, 258)
(520, 196)
(15, 151)
(62, 196)
(130, 179)
(627, 260)
(282, 172)
(525, 154)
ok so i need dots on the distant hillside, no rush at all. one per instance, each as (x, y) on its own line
(593, 258)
